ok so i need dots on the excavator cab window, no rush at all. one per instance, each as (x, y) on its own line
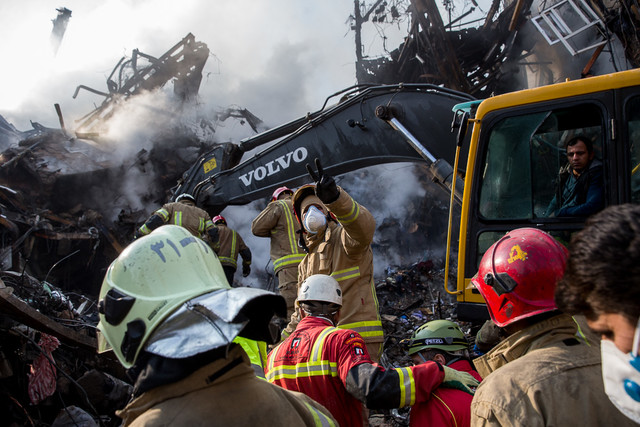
(524, 156)
(633, 113)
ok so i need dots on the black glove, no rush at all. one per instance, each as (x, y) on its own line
(246, 270)
(326, 188)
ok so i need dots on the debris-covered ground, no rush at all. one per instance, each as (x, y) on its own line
(50, 373)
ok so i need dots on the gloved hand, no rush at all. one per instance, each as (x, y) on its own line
(137, 234)
(326, 188)
(459, 380)
(246, 270)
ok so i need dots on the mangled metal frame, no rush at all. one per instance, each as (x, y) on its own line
(183, 62)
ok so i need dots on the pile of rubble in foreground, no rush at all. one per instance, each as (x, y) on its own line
(51, 374)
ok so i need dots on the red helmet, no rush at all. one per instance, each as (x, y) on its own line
(518, 275)
(218, 219)
(279, 191)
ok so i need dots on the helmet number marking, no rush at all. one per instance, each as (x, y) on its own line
(516, 253)
(158, 247)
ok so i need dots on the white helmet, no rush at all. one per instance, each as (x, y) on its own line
(320, 287)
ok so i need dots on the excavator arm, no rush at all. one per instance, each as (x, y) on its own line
(374, 125)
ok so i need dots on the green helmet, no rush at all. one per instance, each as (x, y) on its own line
(152, 277)
(439, 334)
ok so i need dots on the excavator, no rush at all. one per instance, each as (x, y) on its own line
(498, 157)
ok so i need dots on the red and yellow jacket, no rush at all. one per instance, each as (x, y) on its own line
(447, 407)
(332, 366)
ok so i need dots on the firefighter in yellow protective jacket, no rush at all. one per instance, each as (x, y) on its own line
(170, 316)
(185, 213)
(278, 222)
(231, 244)
(337, 235)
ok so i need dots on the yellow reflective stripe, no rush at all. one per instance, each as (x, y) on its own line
(407, 387)
(144, 229)
(208, 224)
(352, 215)
(233, 244)
(349, 273)
(177, 218)
(201, 225)
(316, 350)
(287, 260)
(371, 328)
(291, 229)
(319, 418)
(300, 370)
(270, 358)
(163, 213)
(228, 260)
(453, 417)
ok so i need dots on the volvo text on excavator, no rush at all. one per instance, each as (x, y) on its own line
(504, 157)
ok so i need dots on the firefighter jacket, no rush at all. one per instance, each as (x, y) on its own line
(231, 244)
(448, 407)
(344, 252)
(225, 392)
(257, 352)
(185, 214)
(333, 367)
(543, 376)
(278, 222)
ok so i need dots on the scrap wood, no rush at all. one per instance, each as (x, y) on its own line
(24, 313)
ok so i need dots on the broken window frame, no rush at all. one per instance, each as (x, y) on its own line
(562, 31)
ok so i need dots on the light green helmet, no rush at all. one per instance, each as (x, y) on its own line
(152, 277)
(439, 334)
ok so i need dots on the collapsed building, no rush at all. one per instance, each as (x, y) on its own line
(66, 213)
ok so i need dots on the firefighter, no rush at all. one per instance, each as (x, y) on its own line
(169, 316)
(278, 222)
(442, 341)
(185, 213)
(332, 365)
(231, 244)
(337, 234)
(540, 374)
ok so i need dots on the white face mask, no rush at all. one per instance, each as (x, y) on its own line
(314, 220)
(621, 374)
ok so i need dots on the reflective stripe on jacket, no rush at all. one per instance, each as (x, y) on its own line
(227, 393)
(324, 363)
(344, 252)
(231, 244)
(257, 352)
(184, 214)
(278, 222)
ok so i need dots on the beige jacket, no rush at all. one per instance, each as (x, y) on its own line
(224, 393)
(543, 376)
(344, 252)
(231, 244)
(185, 214)
(278, 222)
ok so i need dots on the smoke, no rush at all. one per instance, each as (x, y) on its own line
(410, 213)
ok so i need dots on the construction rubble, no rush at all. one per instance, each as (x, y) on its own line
(66, 212)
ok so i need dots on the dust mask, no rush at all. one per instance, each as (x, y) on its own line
(314, 220)
(621, 374)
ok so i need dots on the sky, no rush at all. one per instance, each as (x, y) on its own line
(280, 59)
